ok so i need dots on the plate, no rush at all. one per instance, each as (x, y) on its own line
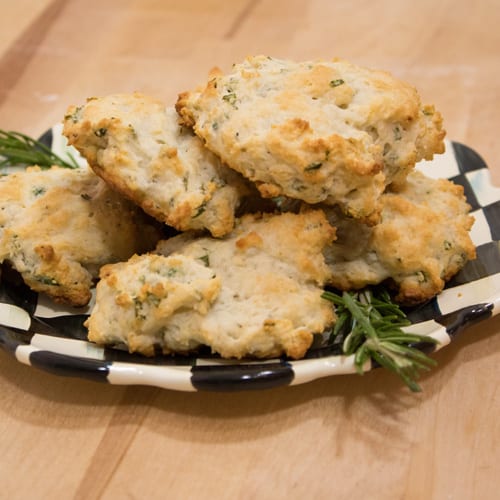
(50, 337)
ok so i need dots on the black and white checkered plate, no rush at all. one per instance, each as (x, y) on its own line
(44, 335)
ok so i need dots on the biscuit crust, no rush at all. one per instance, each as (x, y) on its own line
(318, 131)
(134, 142)
(58, 226)
(422, 241)
(266, 302)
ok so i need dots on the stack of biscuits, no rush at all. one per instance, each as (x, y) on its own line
(281, 178)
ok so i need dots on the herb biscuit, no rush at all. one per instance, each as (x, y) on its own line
(255, 293)
(134, 142)
(319, 131)
(150, 302)
(58, 226)
(421, 242)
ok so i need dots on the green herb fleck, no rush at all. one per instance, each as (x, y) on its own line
(230, 98)
(397, 133)
(337, 82)
(205, 259)
(153, 299)
(138, 309)
(172, 271)
(75, 116)
(38, 190)
(313, 166)
(200, 210)
(46, 280)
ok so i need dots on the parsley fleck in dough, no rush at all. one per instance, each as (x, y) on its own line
(319, 131)
(58, 226)
(134, 142)
(255, 293)
(422, 241)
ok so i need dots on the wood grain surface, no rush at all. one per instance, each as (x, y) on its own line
(345, 437)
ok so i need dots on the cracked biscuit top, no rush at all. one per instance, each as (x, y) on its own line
(320, 131)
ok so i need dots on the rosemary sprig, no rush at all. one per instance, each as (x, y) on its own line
(20, 149)
(369, 325)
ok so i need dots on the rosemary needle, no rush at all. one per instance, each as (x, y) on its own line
(369, 325)
(19, 149)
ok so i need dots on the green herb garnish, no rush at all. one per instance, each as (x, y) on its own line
(20, 149)
(369, 325)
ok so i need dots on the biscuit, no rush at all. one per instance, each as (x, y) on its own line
(134, 142)
(150, 301)
(264, 279)
(421, 242)
(318, 131)
(58, 226)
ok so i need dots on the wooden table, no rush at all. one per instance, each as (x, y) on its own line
(344, 437)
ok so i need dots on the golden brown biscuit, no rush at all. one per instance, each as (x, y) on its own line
(134, 142)
(318, 131)
(260, 290)
(152, 301)
(421, 242)
(58, 226)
